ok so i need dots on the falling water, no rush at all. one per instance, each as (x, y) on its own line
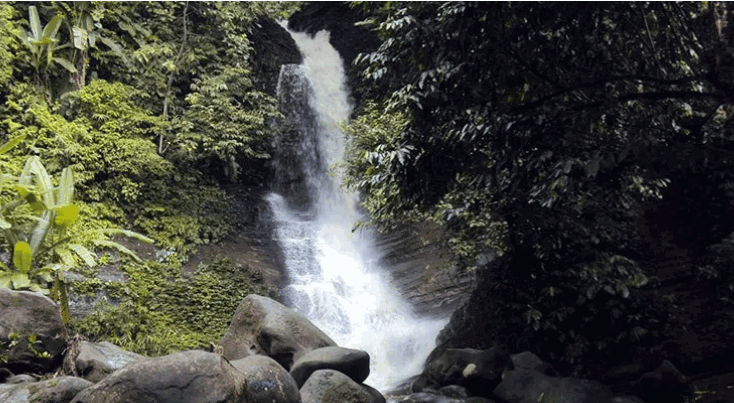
(334, 273)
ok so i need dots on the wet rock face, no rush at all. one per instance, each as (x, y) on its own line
(32, 329)
(272, 47)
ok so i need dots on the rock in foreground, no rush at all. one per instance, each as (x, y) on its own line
(267, 381)
(185, 377)
(57, 390)
(263, 326)
(329, 386)
(32, 324)
(94, 361)
(530, 386)
(350, 362)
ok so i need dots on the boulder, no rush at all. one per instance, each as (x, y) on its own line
(454, 391)
(377, 397)
(350, 362)
(426, 397)
(185, 377)
(267, 381)
(528, 360)
(14, 393)
(22, 378)
(627, 399)
(530, 386)
(329, 386)
(31, 322)
(57, 390)
(5, 374)
(94, 361)
(477, 370)
(665, 382)
(263, 326)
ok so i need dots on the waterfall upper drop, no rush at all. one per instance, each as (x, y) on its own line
(335, 278)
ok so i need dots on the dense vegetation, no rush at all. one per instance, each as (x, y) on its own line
(545, 134)
(149, 110)
(550, 136)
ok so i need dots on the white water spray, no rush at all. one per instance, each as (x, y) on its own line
(335, 280)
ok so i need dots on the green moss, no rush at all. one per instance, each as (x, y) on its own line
(161, 312)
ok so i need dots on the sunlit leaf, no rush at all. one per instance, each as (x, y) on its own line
(89, 258)
(65, 216)
(65, 64)
(20, 280)
(22, 256)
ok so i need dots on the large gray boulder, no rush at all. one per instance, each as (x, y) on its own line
(267, 381)
(426, 397)
(329, 386)
(528, 360)
(185, 377)
(31, 322)
(263, 326)
(94, 361)
(477, 370)
(530, 386)
(57, 390)
(22, 378)
(350, 362)
(665, 382)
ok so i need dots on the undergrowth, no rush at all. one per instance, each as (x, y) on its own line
(160, 311)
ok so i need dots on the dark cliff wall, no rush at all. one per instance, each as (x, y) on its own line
(273, 47)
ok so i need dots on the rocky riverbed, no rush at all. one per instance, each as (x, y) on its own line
(269, 354)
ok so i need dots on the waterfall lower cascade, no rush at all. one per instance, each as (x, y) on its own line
(335, 278)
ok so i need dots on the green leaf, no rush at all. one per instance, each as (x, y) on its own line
(4, 224)
(127, 233)
(65, 255)
(87, 256)
(66, 187)
(65, 64)
(11, 143)
(22, 256)
(32, 199)
(81, 38)
(20, 281)
(5, 280)
(44, 273)
(50, 30)
(117, 247)
(65, 216)
(35, 22)
(35, 169)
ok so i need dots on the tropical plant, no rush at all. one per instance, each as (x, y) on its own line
(42, 42)
(35, 223)
(82, 20)
(545, 131)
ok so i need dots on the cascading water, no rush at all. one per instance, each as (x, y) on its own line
(335, 279)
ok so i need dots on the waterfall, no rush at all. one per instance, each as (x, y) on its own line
(334, 273)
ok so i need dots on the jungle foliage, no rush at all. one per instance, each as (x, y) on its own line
(543, 132)
(152, 107)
